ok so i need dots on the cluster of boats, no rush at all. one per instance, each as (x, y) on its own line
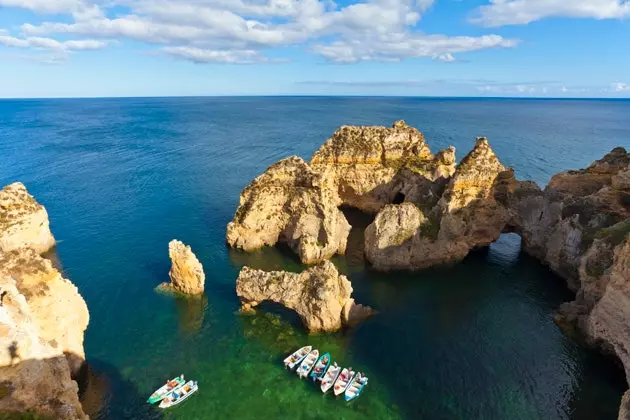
(309, 363)
(173, 392)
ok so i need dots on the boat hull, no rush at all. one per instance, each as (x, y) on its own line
(163, 392)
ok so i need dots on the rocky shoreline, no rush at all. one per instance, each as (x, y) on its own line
(42, 316)
(430, 211)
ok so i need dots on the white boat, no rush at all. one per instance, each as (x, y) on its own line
(346, 376)
(166, 389)
(355, 387)
(308, 363)
(331, 376)
(179, 394)
(293, 360)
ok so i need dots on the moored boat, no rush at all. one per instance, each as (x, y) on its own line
(166, 389)
(320, 367)
(179, 394)
(346, 376)
(308, 363)
(296, 358)
(330, 377)
(355, 387)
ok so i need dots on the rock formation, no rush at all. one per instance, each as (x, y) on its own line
(287, 204)
(465, 217)
(23, 221)
(319, 295)
(42, 316)
(186, 272)
(431, 212)
(367, 167)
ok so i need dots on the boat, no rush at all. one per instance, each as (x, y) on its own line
(293, 360)
(320, 367)
(166, 389)
(330, 377)
(308, 363)
(346, 376)
(179, 394)
(355, 387)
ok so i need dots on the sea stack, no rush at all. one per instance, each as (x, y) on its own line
(319, 295)
(187, 276)
(42, 316)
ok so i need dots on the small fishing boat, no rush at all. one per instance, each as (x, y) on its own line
(307, 364)
(330, 377)
(166, 389)
(179, 394)
(347, 374)
(293, 360)
(320, 367)
(355, 387)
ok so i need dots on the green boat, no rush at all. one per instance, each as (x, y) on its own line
(166, 389)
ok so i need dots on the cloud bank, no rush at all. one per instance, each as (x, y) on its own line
(243, 31)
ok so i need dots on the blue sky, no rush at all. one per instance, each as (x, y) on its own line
(539, 48)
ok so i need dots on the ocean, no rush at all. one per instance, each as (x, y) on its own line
(120, 178)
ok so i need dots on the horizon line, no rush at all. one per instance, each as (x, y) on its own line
(625, 98)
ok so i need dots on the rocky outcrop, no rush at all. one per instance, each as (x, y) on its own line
(187, 276)
(319, 295)
(368, 167)
(466, 216)
(288, 204)
(42, 316)
(23, 221)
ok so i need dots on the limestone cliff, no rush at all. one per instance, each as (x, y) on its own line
(23, 221)
(367, 167)
(186, 272)
(465, 217)
(319, 295)
(288, 204)
(42, 316)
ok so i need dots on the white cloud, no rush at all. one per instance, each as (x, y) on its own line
(620, 87)
(238, 31)
(521, 12)
(51, 44)
(199, 55)
(445, 58)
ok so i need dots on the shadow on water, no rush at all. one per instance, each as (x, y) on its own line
(191, 312)
(279, 257)
(106, 395)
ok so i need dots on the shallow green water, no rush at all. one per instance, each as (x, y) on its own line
(121, 178)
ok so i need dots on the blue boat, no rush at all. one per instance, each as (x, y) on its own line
(320, 367)
(356, 386)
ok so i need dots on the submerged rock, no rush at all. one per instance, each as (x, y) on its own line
(186, 272)
(23, 221)
(287, 204)
(42, 316)
(319, 295)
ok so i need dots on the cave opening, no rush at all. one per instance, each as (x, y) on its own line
(399, 198)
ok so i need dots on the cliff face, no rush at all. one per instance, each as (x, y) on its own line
(465, 217)
(288, 204)
(320, 295)
(23, 221)
(367, 167)
(42, 319)
(186, 272)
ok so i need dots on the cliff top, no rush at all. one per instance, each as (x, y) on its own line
(15, 203)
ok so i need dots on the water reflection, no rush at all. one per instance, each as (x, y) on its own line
(191, 312)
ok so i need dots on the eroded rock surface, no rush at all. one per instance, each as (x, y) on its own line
(465, 217)
(186, 271)
(288, 204)
(42, 316)
(23, 221)
(319, 295)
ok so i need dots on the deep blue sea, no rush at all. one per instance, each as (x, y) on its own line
(120, 178)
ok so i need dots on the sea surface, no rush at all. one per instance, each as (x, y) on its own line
(120, 178)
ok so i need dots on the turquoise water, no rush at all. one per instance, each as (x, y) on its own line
(122, 177)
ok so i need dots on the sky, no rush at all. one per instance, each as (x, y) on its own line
(521, 48)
